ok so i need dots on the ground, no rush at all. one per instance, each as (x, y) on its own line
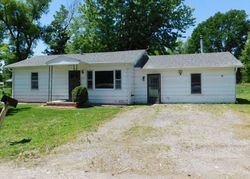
(30, 131)
(179, 141)
(176, 141)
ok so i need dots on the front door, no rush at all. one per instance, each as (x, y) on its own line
(74, 81)
(154, 88)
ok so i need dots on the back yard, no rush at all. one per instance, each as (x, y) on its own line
(179, 140)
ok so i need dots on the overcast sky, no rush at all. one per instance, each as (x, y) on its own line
(203, 10)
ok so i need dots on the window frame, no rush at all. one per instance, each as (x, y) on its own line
(90, 80)
(113, 81)
(191, 83)
(32, 81)
(118, 79)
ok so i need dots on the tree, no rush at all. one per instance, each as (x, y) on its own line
(21, 21)
(245, 58)
(127, 25)
(221, 32)
(181, 48)
(57, 34)
(5, 53)
(94, 27)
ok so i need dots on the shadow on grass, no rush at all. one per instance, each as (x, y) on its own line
(23, 141)
(242, 101)
(13, 111)
(85, 106)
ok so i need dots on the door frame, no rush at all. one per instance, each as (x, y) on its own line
(159, 87)
(69, 92)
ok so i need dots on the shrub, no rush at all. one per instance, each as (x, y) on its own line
(80, 96)
(5, 91)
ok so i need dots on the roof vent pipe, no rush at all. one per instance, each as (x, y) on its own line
(201, 44)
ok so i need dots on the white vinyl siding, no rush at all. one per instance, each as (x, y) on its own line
(22, 84)
(60, 91)
(218, 86)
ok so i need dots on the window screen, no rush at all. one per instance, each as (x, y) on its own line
(196, 83)
(34, 80)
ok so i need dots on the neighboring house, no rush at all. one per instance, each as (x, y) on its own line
(127, 77)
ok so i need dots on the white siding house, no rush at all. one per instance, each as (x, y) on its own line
(128, 77)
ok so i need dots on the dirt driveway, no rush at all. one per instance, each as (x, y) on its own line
(176, 141)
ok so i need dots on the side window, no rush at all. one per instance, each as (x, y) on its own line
(34, 80)
(195, 83)
(118, 79)
(90, 79)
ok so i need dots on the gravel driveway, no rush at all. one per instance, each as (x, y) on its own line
(176, 141)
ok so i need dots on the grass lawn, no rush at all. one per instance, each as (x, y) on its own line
(47, 128)
(243, 99)
(243, 93)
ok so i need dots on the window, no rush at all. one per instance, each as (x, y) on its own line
(118, 79)
(90, 79)
(34, 80)
(196, 83)
(104, 79)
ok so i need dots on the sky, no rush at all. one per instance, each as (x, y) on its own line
(203, 9)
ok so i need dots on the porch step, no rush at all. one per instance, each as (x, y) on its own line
(61, 104)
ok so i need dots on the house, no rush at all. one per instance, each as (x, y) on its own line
(127, 77)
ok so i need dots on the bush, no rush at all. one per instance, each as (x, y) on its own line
(5, 91)
(246, 73)
(80, 96)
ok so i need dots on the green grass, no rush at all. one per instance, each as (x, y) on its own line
(243, 93)
(47, 128)
(243, 99)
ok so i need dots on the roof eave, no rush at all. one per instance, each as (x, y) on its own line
(104, 63)
(192, 67)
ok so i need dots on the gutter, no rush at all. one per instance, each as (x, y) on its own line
(194, 67)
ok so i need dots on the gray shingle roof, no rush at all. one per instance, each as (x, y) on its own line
(120, 57)
(222, 59)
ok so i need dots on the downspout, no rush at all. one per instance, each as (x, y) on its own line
(49, 85)
(235, 86)
(13, 83)
(129, 92)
